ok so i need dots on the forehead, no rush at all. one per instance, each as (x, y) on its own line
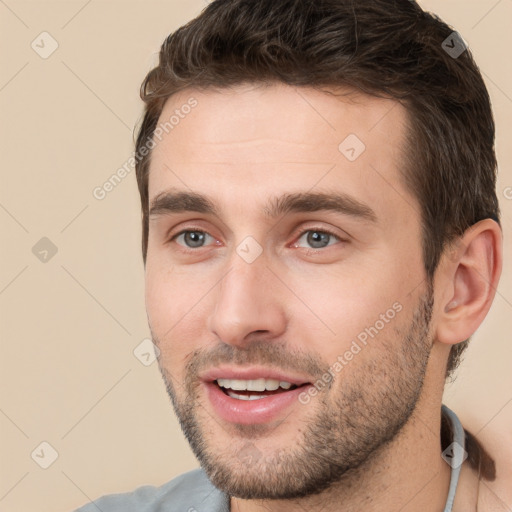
(244, 142)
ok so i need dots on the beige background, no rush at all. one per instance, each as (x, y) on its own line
(69, 326)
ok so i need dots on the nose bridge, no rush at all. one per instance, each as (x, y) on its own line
(244, 301)
(241, 287)
(243, 274)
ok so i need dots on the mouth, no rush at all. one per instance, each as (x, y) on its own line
(254, 389)
(253, 396)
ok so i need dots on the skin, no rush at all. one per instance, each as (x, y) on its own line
(297, 308)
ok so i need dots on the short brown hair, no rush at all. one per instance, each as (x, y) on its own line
(389, 48)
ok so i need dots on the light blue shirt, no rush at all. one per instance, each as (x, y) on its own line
(193, 491)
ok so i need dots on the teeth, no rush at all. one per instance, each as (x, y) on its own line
(253, 385)
(245, 397)
(233, 384)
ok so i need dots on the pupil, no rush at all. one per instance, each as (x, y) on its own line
(318, 239)
(194, 238)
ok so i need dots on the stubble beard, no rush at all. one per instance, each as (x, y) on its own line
(343, 434)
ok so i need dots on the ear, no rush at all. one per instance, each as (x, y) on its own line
(467, 283)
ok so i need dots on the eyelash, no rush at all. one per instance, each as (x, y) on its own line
(311, 250)
(297, 237)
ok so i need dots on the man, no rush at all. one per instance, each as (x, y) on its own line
(321, 238)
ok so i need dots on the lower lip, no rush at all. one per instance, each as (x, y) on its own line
(249, 412)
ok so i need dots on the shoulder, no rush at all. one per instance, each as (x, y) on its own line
(496, 495)
(191, 491)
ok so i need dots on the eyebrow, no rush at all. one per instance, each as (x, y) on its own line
(179, 202)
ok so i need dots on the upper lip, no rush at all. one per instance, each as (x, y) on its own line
(251, 373)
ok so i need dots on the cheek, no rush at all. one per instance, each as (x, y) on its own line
(159, 296)
(167, 301)
(343, 305)
(175, 305)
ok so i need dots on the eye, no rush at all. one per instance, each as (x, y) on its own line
(192, 238)
(317, 239)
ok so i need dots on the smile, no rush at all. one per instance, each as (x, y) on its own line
(254, 389)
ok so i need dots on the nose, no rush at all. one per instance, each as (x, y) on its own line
(247, 303)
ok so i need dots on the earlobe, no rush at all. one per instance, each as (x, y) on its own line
(469, 281)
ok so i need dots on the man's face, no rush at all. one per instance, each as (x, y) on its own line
(301, 264)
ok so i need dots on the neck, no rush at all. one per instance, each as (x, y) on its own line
(408, 474)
